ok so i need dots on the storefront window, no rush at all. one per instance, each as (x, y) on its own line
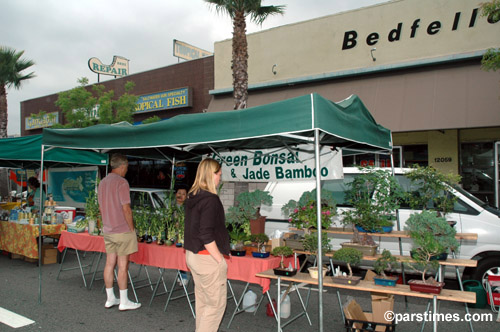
(477, 170)
(415, 154)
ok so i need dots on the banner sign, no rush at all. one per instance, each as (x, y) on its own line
(71, 186)
(279, 164)
(164, 100)
(37, 122)
(119, 66)
(188, 52)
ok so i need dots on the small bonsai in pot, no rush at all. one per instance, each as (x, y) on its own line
(310, 243)
(302, 214)
(432, 237)
(351, 257)
(260, 239)
(375, 196)
(283, 251)
(246, 212)
(385, 263)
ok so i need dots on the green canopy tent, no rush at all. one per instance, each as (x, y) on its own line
(312, 119)
(26, 152)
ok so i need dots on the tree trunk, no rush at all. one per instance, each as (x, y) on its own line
(3, 111)
(240, 61)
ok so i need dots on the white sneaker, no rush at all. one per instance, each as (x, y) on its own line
(129, 306)
(112, 303)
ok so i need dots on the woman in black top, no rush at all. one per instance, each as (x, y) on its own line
(206, 241)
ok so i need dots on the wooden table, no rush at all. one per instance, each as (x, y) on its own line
(368, 286)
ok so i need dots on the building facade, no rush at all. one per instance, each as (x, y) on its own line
(414, 63)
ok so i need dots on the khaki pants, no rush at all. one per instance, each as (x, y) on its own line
(210, 290)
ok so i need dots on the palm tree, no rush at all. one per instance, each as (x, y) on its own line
(11, 66)
(238, 10)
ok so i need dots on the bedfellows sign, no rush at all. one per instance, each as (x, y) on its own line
(164, 100)
(279, 164)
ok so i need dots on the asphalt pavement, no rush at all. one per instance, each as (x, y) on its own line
(68, 306)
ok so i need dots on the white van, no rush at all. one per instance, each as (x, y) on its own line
(470, 214)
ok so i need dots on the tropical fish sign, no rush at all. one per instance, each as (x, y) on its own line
(119, 66)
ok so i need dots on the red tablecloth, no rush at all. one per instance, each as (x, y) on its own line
(170, 257)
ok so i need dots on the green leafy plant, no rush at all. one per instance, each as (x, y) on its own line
(385, 263)
(429, 190)
(260, 239)
(238, 236)
(432, 236)
(310, 243)
(350, 256)
(282, 251)
(303, 213)
(92, 211)
(141, 215)
(375, 196)
(248, 208)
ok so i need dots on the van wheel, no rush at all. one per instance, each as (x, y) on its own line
(486, 267)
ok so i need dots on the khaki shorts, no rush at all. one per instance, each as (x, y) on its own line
(121, 244)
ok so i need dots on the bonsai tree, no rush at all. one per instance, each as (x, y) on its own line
(260, 239)
(282, 251)
(310, 243)
(247, 208)
(430, 190)
(384, 263)
(431, 237)
(375, 196)
(350, 256)
(303, 213)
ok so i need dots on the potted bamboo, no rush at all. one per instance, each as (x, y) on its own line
(246, 212)
(283, 251)
(351, 257)
(92, 212)
(385, 263)
(432, 239)
(375, 196)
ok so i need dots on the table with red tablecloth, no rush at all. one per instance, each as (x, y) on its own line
(22, 239)
(242, 268)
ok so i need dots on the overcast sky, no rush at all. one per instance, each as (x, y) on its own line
(62, 35)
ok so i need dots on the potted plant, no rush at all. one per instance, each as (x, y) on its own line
(246, 212)
(385, 263)
(283, 251)
(92, 212)
(302, 214)
(157, 226)
(260, 239)
(431, 184)
(375, 196)
(351, 257)
(238, 238)
(310, 243)
(432, 239)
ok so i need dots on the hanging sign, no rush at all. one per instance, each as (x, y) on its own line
(279, 164)
(119, 66)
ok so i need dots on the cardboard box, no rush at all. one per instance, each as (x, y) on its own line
(49, 254)
(380, 305)
(276, 243)
(352, 310)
